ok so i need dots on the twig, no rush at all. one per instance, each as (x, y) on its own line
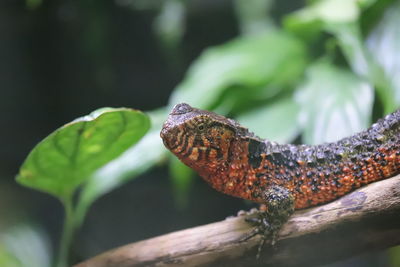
(365, 220)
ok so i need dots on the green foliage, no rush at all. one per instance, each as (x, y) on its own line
(136, 160)
(279, 120)
(334, 103)
(7, 259)
(250, 62)
(254, 16)
(68, 157)
(394, 256)
(24, 245)
(384, 43)
(341, 18)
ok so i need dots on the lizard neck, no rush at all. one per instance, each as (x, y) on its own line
(237, 175)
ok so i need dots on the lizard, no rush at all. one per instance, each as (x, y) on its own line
(281, 177)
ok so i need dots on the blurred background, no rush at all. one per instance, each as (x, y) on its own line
(291, 71)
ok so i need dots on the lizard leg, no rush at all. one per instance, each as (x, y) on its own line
(280, 205)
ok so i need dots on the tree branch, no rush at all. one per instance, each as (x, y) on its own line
(365, 220)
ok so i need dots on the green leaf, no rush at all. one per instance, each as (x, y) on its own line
(334, 103)
(363, 63)
(364, 4)
(276, 121)
(394, 256)
(25, 245)
(250, 61)
(324, 14)
(341, 18)
(310, 20)
(373, 13)
(384, 46)
(134, 161)
(7, 259)
(253, 16)
(303, 26)
(334, 11)
(68, 156)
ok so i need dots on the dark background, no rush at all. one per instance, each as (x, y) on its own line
(64, 59)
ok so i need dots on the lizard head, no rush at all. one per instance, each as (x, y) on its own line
(199, 138)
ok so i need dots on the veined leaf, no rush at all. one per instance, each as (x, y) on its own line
(68, 156)
(134, 161)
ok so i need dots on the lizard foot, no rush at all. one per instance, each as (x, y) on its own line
(280, 205)
(267, 231)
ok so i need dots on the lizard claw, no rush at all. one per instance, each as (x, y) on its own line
(253, 220)
(253, 233)
(264, 228)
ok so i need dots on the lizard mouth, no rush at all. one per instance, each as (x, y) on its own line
(174, 122)
(166, 137)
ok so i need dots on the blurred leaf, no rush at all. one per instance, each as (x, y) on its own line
(68, 156)
(134, 161)
(7, 259)
(394, 256)
(25, 245)
(384, 46)
(362, 62)
(350, 40)
(341, 18)
(334, 103)
(253, 16)
(182, 178)
(251, 61)
(302, 25)
(334, 11)
(366, 3)
(169, 24)
(239, 99)
(373, 13)
(311, 20)
(142, 156)
(276, 121)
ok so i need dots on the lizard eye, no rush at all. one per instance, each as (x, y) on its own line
(200, 127)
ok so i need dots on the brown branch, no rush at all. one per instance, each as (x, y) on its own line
(365, 220)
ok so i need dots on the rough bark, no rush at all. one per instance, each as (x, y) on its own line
(365, 220)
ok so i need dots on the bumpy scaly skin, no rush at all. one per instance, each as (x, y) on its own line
(236, 162)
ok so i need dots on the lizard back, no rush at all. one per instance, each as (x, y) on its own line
(236, 162)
